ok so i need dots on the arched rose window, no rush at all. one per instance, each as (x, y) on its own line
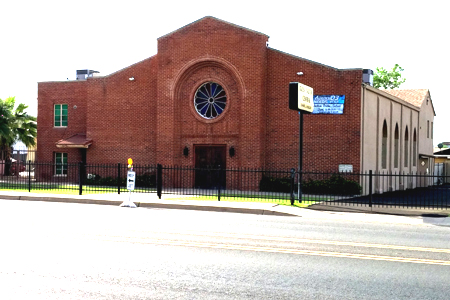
(210, 100)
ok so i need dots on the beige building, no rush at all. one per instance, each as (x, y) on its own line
(442, 156)
(397, 136)
(442, 165)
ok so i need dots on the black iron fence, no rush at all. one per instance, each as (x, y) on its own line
(13, 161)
(280, 186)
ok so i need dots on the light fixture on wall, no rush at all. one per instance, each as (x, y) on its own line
(232, 151)
(299, 73)
(186, 151)
(131, 78)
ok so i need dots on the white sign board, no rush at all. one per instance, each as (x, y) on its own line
(346, 168)
(131, 176)
(301, 97)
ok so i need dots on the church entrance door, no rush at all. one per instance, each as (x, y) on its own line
(208, 161)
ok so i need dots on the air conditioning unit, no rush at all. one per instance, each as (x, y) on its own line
(85, 74)
(368, 77)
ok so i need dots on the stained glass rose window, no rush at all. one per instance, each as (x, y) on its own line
(210, 100)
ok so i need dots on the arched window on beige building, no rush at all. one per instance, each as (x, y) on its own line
(396, 143)
(414, 158)
(384, 146)
(406, 146)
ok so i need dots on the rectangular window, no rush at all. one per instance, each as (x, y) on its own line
(396, 153)
(431, 130)
(60, 115)
(428, 129)
(60, 163)
(406, 146)
(384, 142)
(406, 153)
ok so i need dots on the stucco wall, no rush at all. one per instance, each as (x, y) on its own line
(425, 133)
(379, 107)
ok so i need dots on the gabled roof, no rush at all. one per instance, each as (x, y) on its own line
(414, 96)
(75, 141)
(443, 152)
(215, 19)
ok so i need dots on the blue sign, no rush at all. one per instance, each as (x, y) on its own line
(329, 104)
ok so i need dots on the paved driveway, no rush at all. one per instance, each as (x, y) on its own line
(431, 197)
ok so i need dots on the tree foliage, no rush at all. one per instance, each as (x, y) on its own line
(16, 124)
(388, 79)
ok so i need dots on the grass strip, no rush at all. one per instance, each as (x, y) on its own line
(90, 190)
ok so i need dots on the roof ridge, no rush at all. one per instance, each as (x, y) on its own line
(213, 18)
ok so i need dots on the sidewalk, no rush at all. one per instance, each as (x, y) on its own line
(321, 212)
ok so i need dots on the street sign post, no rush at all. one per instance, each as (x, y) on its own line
(131, 180)
(301, 100)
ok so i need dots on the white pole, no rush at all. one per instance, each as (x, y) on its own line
(128, 203)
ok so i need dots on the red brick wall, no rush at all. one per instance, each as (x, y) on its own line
(329, 140)
(72, 93)
(209, 50)
(121, 118)
(152, 119)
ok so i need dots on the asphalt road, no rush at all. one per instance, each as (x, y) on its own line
(79, 251)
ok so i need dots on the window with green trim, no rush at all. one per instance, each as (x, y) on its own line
(60, 115)
(60, 163)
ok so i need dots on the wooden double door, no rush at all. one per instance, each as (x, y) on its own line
(209, 161)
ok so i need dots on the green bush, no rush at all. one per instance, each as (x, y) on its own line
(144, 180)
(335, 185)
(273, 184)
(104, 181)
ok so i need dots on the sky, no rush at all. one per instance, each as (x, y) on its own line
(49, 40)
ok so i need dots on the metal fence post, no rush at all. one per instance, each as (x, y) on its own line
(292, 185)
(370, 188)
(118, 178)
(159, 180)
(219, 182)
(29, 176)
(80, 179)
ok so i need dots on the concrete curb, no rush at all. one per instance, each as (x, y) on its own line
(431, 217)
(241, 210)
(214, 208)
(62, 200)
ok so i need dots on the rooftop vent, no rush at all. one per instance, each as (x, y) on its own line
(368, 77)
(85, 74)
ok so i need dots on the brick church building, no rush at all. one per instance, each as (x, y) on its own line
(216, 94)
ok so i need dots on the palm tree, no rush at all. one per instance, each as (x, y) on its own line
(15, 125)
